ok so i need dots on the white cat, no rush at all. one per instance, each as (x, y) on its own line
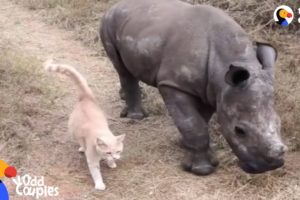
(89, 126)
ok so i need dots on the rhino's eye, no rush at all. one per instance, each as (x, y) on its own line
(239, 131)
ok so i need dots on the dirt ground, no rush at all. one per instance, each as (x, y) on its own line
(150, 165)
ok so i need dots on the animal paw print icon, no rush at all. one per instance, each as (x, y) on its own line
(283, 15)
(6, 171)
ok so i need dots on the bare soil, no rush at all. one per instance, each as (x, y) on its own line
(150, 165)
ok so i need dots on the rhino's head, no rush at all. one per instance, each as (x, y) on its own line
(247, 116)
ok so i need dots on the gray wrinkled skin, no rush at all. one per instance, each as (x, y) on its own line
(202, 62)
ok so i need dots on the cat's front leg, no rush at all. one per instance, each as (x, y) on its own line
(96, 174)
(100, 186)
(94, 167)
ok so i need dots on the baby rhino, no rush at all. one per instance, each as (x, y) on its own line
(202, 62)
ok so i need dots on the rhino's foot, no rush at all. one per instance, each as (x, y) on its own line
(137, 114)
(201, 164)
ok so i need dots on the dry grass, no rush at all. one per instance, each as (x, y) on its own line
(25, 95)
(81, 16)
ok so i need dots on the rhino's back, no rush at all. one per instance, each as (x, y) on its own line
(169, 41)
(140, 29)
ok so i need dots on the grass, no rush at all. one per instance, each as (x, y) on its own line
(150, 167)
(25, 96)
(81, 16)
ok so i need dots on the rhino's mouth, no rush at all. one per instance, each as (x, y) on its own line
(260, 167)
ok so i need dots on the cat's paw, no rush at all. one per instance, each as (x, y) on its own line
(112, 165)
(81, 149)
(100, 186)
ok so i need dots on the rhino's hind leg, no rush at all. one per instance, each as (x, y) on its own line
(191, 118)
(132, 95)
(122, 93)
(129, 84)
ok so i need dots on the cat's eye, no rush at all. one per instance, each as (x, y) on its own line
(118, 152)
(108, 153)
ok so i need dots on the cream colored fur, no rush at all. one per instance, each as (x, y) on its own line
(89, 126)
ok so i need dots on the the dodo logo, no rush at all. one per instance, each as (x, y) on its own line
(283, 15)
(6, 171)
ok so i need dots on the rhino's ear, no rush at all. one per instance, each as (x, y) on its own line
(237, 76)
(267, 55)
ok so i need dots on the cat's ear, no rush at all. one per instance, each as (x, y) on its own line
(121, 138)
(101, 143)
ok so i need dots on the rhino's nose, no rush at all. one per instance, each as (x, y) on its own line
(281, 151)
(278, 151)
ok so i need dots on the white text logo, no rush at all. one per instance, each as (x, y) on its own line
(34, 186)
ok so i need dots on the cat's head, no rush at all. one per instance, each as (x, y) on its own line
(110, 147)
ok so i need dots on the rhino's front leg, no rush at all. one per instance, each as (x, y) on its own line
(191, 118)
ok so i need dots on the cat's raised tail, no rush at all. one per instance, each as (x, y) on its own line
(81, 83)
